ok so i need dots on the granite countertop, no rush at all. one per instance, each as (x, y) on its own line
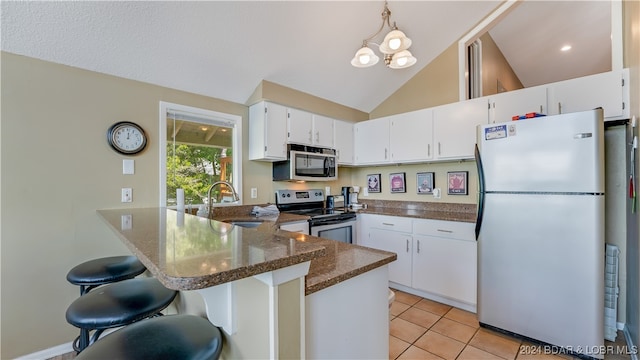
(187, 252)
(421, 210)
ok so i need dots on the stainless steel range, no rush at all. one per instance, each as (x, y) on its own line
(335, 224)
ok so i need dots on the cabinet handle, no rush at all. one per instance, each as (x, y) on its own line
(388, 224)
(407, 245)
(385, 153)
(418, 249)
(439, 148)
(428, 149)
(445, 231)
(317, 136)
(559, 108)
(310, 136)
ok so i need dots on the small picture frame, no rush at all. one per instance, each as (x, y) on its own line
(397, 182)
(425, 182)
(373, 183)
(458, 183)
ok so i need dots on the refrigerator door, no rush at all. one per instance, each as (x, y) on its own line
(562, 153)
(541, 268)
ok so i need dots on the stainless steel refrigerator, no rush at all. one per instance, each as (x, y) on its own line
(540, 230)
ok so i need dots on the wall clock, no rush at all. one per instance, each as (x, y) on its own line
(126, 138)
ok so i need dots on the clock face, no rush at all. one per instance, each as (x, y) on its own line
(127, 138)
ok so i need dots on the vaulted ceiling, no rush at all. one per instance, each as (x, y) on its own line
(224, 49)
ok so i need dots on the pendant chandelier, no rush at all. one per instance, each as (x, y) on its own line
(394, 47)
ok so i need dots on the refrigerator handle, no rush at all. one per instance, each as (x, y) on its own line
(480, 192)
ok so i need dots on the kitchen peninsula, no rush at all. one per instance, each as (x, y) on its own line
(275, 293)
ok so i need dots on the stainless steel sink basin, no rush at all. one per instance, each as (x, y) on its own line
(246, 224)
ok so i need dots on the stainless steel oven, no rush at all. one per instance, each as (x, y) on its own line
(334, 224)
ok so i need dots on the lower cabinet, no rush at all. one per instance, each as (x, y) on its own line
(436, 259)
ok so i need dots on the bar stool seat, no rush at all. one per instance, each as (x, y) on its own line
(116, 305)
(168, 337)
(93, 273)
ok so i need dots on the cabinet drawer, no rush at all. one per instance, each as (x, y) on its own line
(445, 229)
(392, 223)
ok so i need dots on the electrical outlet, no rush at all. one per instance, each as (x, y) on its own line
(327, 190)
(126, 222)
(437, 193)
(127, 195)
(254, 193)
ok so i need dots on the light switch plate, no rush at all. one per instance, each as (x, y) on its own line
(127, 195)
(254, 193)
(437, 193)
(128, 167)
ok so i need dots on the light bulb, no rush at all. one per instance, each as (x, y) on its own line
(402, 61)
(364, 59)
(395, 43)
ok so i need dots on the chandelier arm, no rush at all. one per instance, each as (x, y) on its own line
(386, 16)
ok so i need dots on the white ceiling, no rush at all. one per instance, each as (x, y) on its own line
(224, 49)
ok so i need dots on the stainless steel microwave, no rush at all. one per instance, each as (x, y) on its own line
(306, 163)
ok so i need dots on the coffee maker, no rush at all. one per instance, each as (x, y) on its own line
(350, 194)
(346, 193)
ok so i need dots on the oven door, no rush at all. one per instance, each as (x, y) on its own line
(339, 230)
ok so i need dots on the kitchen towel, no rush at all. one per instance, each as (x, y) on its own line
(265, 211)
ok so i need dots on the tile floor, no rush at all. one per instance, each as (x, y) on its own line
(425, 329)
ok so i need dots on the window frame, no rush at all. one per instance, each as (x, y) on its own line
(207, 116)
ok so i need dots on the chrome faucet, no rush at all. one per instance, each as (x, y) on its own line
(233, 192)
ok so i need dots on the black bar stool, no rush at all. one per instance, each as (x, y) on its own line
(168, 337)
(116, 305)
(93, 273)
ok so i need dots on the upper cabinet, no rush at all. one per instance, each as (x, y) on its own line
(504, 106)
(343, 140)
(608, 90)
(454, 128)
(309, 129)
(267, 132)
(411, 136)
(372, 141)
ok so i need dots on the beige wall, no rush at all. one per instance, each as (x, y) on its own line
(436, 84)
(495, 68)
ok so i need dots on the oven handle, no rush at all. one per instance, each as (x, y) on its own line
(313, 223)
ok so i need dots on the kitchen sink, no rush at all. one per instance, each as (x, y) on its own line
(246, 224)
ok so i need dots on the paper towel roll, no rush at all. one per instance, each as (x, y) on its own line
(180, 199)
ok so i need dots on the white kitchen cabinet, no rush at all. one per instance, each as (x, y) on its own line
(343, 141)
(323, 132)
(449, 250)
(267, 132)
(309, 129)
(391, 233)
(299, 127)
(608, 90)
(454, 128)
(505, 105)
(372, 141)
(411, 136)
(436, 259)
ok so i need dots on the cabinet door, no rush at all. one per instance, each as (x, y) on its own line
(399, 243)
(589, 92)
(343, 138)
(446, 267)
(299, 127)
(372, 141)
(267, 132)
(505, 106)
(454, 128)
(323, 132)
(411, 136)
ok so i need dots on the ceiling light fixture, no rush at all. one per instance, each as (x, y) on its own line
(394, 47)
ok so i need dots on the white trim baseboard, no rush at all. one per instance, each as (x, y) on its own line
(630, 345)
(50, 352)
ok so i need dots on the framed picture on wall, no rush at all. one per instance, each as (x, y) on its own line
(397, 182)
(373, 183)
(425, 182)
(458, 183)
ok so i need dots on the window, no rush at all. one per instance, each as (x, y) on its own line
(197, 148)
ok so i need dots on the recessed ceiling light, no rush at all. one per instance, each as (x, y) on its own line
(565, 48)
